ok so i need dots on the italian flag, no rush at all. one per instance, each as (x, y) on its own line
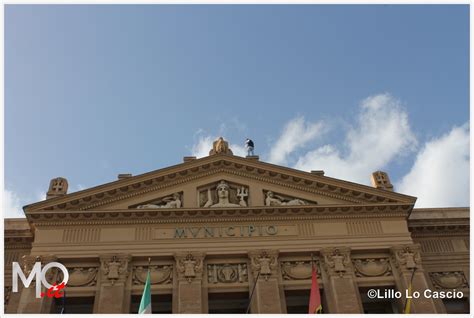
(145, 303)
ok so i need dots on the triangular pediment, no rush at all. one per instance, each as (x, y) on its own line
(196, 181)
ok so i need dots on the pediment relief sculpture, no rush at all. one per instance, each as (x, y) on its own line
(223, 195)
(274, 199)
(173, 201)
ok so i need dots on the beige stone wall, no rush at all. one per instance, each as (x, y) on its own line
(109, 262)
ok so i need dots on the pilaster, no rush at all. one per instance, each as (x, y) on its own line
(28, 303)
(113, 294)
(340, 287)
(407, 268)
(189, 293)
(267, 297)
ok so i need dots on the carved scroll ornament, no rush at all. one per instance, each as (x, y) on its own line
(372, 267)
(162, 274)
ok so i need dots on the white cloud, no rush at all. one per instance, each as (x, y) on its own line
(296, 134)
(381, 134)
(12, 206)
(440, 175)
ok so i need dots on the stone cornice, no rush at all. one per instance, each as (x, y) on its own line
(182, 173)
(150, 216)
(439, 221)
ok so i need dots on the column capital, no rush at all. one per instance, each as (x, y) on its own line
(189, 265)
(264, 261)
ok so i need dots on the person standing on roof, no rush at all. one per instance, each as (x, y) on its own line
(249, 145)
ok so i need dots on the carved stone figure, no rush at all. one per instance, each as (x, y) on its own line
(172, 202)
(263, 262)
(222, 191)
(189, 266)
(115, 268)
(276, 200)
(220, 146)
(337, 261)
(407, 257)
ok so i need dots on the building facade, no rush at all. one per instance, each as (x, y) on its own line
(215, 230)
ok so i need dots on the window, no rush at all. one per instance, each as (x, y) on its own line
(456, 306)
(160, 304)
(73, 305)
(379, 306)
(297, 301)
(228, 303)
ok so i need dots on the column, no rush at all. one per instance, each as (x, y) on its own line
(407, 264)
(113, 293)
(267, 297)
(189, 293)
(28, 303)
(340, 287)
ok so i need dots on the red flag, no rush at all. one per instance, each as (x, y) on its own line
(315, 297)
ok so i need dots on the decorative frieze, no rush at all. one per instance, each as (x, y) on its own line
(159, 274)
(115, 267)
(448, 280)
(80, 235)
(365, 227)
(298, 270)
(436, 245)
(227, 273)
(81, 276)
(189, 265)
(263, 262)
(372, 267)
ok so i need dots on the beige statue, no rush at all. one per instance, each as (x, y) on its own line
(275, 200)
(223, 197)
(220, 146)
(172, 202)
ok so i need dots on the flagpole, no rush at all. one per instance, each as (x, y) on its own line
(145, 302)
(253, 290)
(63, 310)
(410, 286)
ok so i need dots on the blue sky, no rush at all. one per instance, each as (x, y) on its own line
(93, 91)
